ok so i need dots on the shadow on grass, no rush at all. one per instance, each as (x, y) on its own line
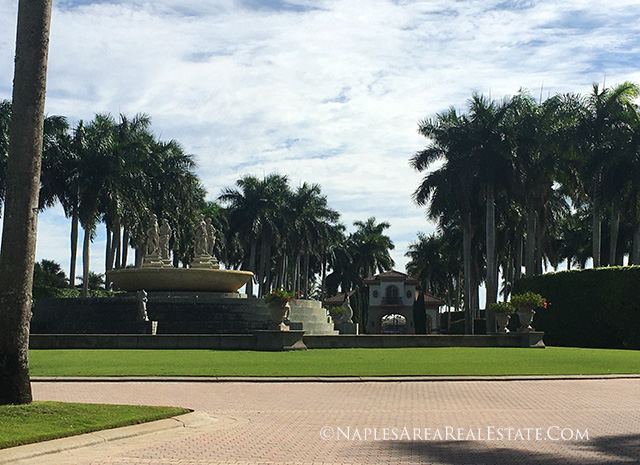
(609, 450)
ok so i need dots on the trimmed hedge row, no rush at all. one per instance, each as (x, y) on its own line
(46, 292)
(597, 308)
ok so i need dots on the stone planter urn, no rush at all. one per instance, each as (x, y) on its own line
(525, 314)
(279, 312)
(502, 320)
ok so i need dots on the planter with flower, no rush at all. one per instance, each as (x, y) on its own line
(526, 303)
(502, 312)
(278, 303)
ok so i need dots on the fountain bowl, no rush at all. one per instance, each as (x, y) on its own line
(179, 279)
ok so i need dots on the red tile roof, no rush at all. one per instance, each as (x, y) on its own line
(392, 275)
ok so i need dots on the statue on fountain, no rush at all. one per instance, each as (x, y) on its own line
(203, 258)
(165, 234)
(211, 237)
(152, 257)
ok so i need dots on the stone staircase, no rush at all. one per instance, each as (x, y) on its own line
(308, 315)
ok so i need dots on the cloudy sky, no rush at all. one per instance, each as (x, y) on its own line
(326, 92)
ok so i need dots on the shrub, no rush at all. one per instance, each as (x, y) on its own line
(279, 296)
(503, 307)
(597, 308)
(528, 299)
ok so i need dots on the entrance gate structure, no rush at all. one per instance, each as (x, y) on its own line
(393, 292)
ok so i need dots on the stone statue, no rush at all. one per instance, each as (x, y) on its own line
(153, 238)
(142, 306)
(348, 314)
(164, 237)
(211, 236)
(200, 234)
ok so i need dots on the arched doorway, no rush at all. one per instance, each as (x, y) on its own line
(393, 324)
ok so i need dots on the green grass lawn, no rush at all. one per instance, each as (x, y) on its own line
(335, 362)
(41, 421)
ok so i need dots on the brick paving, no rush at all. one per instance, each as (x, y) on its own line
(282, 423)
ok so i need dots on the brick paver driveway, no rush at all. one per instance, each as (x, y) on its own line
(426, 422)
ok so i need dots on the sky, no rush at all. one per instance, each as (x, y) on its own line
(327, 92)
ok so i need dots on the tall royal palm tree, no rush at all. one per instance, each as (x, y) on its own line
(256, 207)
(370, 246)
(603, 116)
(536, 131)
(452, 191)
(312, 220)
(491, 150)
(97, 170)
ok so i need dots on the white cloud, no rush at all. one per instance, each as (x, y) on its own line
(324, 91)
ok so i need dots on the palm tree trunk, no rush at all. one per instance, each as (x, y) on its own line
(529, 255)
(297, 275)
(635, 255)
(468, 307)
(306, 275)
(323, 279)
(283, 277)
(262, 268)
(538, 254)
(18, 250)
(125, 247)
(517, 272)
(252, 267)
(492, 274)
(615, 228)
(74, 247)
(86, 243)
(268, 268)
(116, 246)
(108, 255)
(596, 224)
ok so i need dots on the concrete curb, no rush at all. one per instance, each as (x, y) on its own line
(316, 379)
(188, 420)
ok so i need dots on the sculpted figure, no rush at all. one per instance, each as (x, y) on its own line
(200, 233)
(142, 306)
(164, 237)
(211, 236)
(153, 238)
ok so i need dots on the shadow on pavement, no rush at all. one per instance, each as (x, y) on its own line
(607, 450)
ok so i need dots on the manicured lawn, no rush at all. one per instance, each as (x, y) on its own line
(334, 362)
(41, 421)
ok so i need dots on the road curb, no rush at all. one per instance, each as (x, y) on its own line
(188, 420)
(317, 379)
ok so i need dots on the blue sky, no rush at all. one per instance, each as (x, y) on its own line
(327, 92)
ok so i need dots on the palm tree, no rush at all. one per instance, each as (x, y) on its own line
(451, 191)
(491, 150)
(598, 138)
(97, 170)
(17, 253)
(371, 246)
(256, 208)
(427, 261)
(312, 221)
(539, 131)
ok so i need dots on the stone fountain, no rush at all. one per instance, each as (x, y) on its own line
(159, 275)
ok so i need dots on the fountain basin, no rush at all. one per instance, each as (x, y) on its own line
(179, 279)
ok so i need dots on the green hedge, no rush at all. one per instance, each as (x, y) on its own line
(45, 292)
(597, 308)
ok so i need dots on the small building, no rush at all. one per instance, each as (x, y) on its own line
(392, 298)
